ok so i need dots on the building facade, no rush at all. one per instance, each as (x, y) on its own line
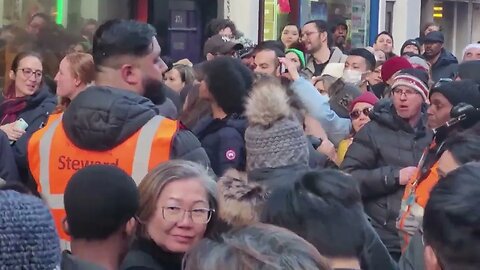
(459, 20)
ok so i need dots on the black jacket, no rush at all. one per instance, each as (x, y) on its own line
(445, 67)
(36, 113)
(70, 262)
(223, 140)
(100, 118)
(378, 152)
(146, 255)
(8, 166)
(374, 255)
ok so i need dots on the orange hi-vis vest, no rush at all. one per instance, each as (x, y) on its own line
(53, 159)
(415, 198)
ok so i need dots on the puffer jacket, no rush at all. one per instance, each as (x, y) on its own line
(378, 152)
(100, 118)
(223, 141)
(445, 67)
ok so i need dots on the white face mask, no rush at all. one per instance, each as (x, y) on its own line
(352, 76)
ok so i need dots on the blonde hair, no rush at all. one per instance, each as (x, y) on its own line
(155, 181)
(82, 67)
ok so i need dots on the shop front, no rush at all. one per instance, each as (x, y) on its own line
(356, 13)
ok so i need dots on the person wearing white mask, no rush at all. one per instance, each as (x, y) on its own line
(358, 65)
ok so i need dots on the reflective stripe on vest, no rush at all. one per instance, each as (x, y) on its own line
(53, 158)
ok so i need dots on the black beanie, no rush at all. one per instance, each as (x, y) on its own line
(98, 200)
(456, 92)
(413, 42)
(367, 55)
(469, 70)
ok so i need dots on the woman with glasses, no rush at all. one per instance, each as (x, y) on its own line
(25, 104)
(360, 109)
(178, 203)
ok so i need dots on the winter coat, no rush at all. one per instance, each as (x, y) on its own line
(379, 150)
(223, 140)
(119, 114)
(336, 57)
(271, 178)
(70, 262)
(146, 255)
(8, 166)
(445, 67)
(101, 118)
(39, 106)
(412, 258)
(168, 109)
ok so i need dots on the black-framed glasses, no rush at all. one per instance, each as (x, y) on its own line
(28, 72)
(356, 113)
(308, 34)
(407, 92)
(176, 214)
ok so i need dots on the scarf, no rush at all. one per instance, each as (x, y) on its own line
(11, 108)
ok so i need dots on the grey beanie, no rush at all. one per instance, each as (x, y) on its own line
(28, 238)
(274, 137)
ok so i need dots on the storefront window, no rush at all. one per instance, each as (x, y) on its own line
(354, 12)
(73, 23)
(274, 20)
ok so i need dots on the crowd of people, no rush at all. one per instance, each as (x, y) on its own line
(296, 153)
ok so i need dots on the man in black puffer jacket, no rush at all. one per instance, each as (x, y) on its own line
(384, 153)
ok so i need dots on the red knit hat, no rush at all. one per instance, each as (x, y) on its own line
(413, 82)
(393, 65)
(366, 97)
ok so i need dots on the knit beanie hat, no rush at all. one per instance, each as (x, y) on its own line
(393, 65)
(465, 91)
(366, 97)
(274, 137)
(419, 63)
(28, 238)
(98, 200)
(409, 80)
(413, 42)
(300, 55)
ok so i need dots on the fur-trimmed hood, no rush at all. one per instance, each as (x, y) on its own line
(267, 103)
(239, 201)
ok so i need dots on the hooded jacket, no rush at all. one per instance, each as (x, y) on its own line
(336, 56)
(100, 118)
(379, 150)
(445, 67)
(223, 141)
(36, 113)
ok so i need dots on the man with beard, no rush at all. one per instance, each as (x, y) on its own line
(444, 64)
(340, 32)
(316, 39)
(111, 122)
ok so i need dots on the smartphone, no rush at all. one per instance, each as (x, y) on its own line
(20, 124)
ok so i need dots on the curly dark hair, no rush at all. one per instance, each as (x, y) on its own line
(229, 81)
